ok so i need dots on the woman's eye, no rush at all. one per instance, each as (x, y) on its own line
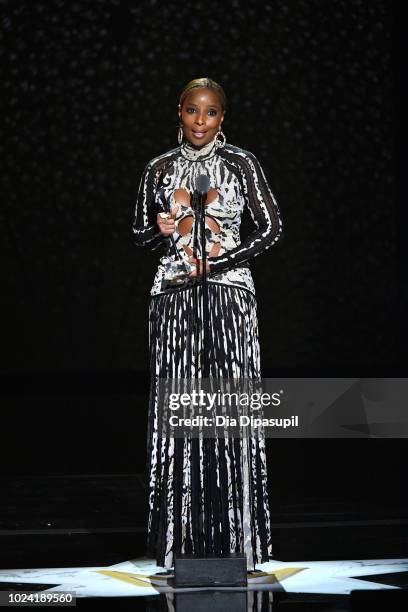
(212, 112)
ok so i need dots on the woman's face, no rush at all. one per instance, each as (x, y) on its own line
(201, 115)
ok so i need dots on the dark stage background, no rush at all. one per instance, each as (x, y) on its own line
(90, 93)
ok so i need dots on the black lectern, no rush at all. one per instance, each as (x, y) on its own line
(228, 570)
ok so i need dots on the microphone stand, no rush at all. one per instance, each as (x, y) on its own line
(199, 244)
(196, 206)
(205, 315)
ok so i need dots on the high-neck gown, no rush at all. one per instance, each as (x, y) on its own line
(206, 497)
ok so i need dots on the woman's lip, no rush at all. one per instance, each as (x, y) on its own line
(198, 134)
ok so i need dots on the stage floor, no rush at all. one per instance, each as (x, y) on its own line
(61, 534)
(141, 578)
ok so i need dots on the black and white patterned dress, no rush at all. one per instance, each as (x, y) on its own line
(206, 496)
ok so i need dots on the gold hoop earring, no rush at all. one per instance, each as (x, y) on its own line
(180, 133)
(220, 143)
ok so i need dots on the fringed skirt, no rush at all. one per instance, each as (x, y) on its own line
(206, 496)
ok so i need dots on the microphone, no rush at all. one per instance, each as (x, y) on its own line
(202, 184)
(199, 196)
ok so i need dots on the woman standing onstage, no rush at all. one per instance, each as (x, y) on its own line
(186, 513)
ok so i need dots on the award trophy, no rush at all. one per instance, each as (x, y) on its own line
(176, 268)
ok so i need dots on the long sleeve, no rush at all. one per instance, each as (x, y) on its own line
(264, 212)
(144, 226)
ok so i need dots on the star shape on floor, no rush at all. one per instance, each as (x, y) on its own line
(141, 577)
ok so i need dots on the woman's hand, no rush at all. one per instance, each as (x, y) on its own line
(165, 221)
(198, 263)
